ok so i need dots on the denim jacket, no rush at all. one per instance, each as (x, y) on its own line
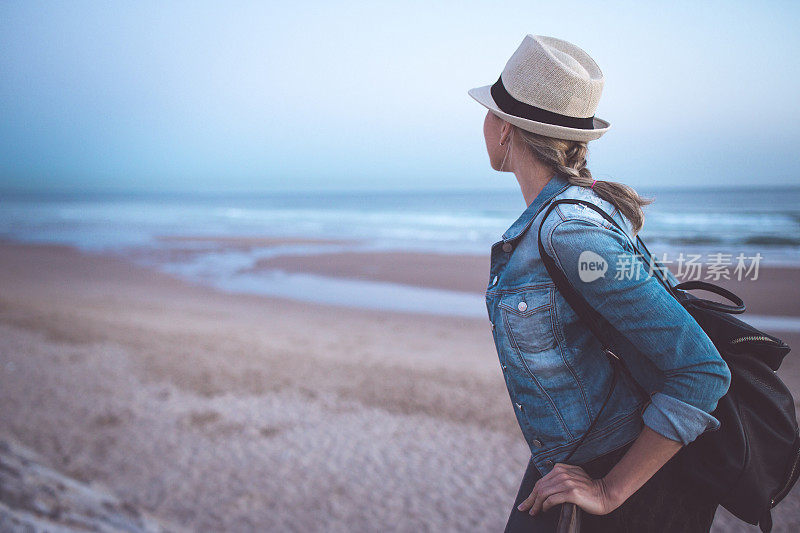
(554, 367)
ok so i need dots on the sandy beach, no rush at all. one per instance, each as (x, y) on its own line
(233, 412)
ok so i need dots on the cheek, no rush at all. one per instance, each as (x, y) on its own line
(491, 136)
(490, 129)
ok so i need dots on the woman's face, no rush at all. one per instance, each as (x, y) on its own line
(495, 130)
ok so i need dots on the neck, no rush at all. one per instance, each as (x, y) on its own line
(532, 176)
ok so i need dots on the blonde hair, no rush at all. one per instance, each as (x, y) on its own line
(568, 158)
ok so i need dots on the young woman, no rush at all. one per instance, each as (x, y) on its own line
(624, 475)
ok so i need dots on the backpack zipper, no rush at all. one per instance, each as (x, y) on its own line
(752, 338)
(779, 495)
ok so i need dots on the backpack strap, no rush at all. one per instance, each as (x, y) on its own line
(657, 271)
(599, 326)
(765, 522)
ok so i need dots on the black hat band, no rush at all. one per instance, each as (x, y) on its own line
(512, 106)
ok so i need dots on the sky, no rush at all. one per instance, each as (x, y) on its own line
(303, 96)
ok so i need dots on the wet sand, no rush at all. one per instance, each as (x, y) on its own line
(775, 290)
(222, 412)
(467, 273)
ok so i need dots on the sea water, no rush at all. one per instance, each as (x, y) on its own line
(763, 221)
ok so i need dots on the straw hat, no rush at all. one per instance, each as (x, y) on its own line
(550, 87)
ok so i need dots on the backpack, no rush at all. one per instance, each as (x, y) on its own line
(751, 462)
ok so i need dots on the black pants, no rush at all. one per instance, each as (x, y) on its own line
(663, 504)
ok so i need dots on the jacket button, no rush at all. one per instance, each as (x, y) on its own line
(519, 406)
(548, 463)
(522, 306)
(507, 247)
(494, 281)
(503, 366)
(537, 443)
(492, 326)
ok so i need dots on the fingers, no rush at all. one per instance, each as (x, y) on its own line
(556, 499)
(537, 488)
(542, 496)
(527, 502)
(563, 467)
(563, 479)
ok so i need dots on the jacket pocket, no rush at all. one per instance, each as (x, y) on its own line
(529, 319)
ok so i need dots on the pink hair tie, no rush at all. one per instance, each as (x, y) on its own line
(593, 182)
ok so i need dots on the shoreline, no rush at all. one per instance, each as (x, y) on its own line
(351, 274)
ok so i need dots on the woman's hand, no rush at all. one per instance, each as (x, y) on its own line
(569, 483)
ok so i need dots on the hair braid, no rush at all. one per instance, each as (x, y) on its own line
(568, 158)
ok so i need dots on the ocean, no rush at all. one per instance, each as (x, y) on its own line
(139, 226)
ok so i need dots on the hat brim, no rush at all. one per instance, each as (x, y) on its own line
(483, 95)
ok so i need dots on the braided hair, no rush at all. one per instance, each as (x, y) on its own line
(568, 158)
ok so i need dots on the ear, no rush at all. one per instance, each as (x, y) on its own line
(505, 132)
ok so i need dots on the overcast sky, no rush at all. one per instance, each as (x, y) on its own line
(373, 95)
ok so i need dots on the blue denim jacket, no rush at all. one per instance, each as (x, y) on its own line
(554, 367)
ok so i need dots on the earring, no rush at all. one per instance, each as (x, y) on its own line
(503, 164)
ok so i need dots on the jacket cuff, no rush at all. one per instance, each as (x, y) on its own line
(676, 419)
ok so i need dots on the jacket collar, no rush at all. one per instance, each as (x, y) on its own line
(555, 186)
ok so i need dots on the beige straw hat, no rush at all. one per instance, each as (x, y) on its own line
(550, 87)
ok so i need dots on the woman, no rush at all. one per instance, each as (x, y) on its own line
(624, 473)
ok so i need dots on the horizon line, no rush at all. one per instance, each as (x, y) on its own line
(352, 190)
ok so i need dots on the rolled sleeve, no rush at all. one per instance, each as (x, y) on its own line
(677, 420)
(691, 373)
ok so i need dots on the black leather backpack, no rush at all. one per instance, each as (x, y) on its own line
(752, 461)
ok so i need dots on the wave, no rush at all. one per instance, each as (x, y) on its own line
(773, 240)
